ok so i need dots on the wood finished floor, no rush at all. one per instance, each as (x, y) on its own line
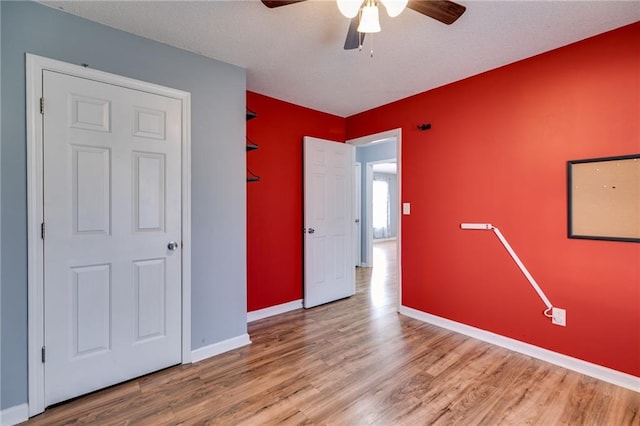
(357, 362)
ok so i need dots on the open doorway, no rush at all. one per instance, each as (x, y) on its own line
(379, 196)
(383, 209)
(378, 157)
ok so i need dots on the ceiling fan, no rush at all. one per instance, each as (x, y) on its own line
(444, 11)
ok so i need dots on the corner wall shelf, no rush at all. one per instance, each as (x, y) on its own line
(251, 177)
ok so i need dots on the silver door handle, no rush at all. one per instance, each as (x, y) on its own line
(311, 230)
(357, 220)
(172, 245)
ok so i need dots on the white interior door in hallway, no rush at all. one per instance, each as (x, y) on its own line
(329, 271)
(112, 241)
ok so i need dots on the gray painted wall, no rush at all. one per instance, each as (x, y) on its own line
(218, 96)
(367, 154)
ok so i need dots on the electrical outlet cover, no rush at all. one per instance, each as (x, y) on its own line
(559, 316)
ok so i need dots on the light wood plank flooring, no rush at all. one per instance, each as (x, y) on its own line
(357, 362)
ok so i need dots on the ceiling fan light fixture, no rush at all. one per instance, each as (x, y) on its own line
(369, 20)
(394, 7)
(349, 8)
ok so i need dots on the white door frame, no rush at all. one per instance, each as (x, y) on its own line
(357, 190)
(377, 137)
(35, 65)
(368, 232)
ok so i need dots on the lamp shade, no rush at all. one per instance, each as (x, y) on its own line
(349, 8)
(369, 21)
(394, 7)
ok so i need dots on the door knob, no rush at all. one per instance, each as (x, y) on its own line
(311, 230)
(172, 245)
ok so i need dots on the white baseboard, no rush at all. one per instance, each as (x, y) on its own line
(274, 310)
(14, 415)
(617, 378)
(220, 347)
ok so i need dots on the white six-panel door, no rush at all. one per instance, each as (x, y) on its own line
(329, 272)
(112, 205)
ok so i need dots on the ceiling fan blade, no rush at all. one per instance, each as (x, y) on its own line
(277, 3)
(444, 11)
(354, 38)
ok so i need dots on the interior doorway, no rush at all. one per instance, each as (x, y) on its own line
(382, 160)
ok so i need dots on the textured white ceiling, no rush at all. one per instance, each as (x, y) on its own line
(295, 53)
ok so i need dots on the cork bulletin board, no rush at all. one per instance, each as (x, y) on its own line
(604, 198)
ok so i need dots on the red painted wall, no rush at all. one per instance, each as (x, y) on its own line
(274, 204)
(497, 153)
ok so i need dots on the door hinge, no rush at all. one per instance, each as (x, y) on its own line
(42, 230)
(41, 105)
(44, 354)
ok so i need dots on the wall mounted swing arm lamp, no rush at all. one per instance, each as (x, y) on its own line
(557, 315)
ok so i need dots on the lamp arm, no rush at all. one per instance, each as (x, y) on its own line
(523, 268)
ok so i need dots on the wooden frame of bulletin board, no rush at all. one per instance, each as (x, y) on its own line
(604, 198)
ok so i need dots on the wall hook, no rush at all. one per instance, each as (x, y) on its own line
(424, 127)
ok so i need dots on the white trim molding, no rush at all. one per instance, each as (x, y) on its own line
(14, 415)
(609, 375)
(220, 347)
(35, 65)
(274, 310)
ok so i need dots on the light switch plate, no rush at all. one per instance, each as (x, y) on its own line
(406, 208)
